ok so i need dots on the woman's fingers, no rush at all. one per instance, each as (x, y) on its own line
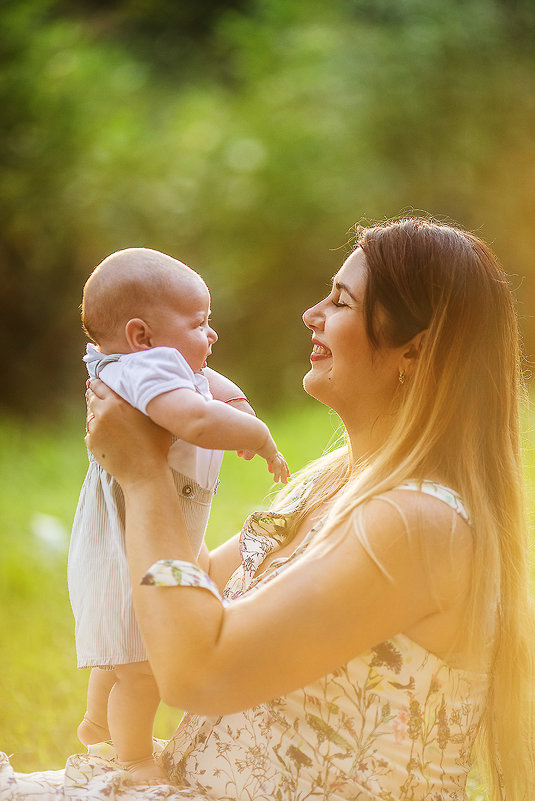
(103, 417)
(98, 389)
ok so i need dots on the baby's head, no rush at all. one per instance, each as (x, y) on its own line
(140, 298)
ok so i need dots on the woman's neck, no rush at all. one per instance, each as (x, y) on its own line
(367, 439)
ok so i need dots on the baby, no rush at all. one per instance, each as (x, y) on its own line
(149, 317)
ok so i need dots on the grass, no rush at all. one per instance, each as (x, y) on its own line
(41, 471)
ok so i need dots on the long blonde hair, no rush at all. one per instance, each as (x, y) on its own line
(457, 417)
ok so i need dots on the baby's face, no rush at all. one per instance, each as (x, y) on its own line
(183, 323)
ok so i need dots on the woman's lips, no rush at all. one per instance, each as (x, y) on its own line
(319, 352)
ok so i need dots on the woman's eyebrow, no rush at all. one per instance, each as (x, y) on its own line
(343, 287)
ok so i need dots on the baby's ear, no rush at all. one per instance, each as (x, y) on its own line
(138, 334)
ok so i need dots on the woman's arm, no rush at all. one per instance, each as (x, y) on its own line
(221, 562)
(329, 606)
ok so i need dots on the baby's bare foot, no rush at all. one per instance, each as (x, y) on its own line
(90, 732)
(145, 771)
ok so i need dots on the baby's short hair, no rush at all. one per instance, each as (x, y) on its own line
(128, 284)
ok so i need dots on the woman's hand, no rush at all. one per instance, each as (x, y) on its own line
(125, 442)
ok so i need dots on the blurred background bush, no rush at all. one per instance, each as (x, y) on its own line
(246, 138)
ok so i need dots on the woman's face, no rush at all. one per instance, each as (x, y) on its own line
(347, 373)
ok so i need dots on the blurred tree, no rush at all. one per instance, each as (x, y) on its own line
(246, 138)
(175, 38)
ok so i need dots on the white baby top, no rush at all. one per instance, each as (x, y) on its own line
(139, 378)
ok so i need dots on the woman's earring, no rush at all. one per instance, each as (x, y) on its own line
(402, 376)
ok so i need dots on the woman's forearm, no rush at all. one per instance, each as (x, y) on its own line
(221, 562)
(155, 527)
(179, 628)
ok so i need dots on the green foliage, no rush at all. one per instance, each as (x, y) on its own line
(246, 140)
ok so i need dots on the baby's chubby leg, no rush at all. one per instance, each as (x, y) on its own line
(94, 726)
(132, 705)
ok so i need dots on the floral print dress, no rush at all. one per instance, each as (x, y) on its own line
(396, 723)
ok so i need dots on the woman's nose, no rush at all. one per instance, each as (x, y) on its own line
(312, 317)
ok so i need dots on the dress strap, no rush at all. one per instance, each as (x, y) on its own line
(445, 494)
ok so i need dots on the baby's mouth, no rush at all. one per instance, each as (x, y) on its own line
(206, 359)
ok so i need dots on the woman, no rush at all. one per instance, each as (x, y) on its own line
(377, 622)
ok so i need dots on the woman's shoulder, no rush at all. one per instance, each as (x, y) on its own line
(432, 520)
(440, 491)
(421, 505)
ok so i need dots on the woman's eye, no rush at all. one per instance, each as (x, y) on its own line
(338, 303)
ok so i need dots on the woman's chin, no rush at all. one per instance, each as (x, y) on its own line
(319, 388)
(311, 385)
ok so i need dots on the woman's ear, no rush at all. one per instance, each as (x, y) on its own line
(411, 352)
(138, 334)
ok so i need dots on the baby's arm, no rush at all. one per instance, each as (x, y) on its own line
(214, 424)
(223, 389)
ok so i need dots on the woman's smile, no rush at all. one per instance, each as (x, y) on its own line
(319, 351)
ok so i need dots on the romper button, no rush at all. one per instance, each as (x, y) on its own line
(187, 491)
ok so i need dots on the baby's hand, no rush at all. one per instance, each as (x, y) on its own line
(277, 465)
